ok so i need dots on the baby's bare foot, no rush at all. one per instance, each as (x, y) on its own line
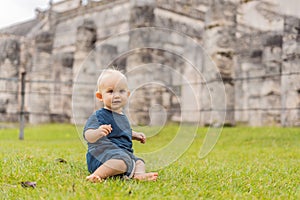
(93, 178)
(152, 176)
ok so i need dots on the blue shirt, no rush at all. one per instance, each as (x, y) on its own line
(121, 134)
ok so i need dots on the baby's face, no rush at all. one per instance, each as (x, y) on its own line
(114, 92)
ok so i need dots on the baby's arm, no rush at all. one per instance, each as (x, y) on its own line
(92, 135)
(139, 137)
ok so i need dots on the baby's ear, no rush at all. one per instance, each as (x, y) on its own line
(99, 96)
(128, 93)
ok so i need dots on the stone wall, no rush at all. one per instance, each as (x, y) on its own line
(204, 61)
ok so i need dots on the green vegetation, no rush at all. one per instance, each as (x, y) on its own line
(246, 163)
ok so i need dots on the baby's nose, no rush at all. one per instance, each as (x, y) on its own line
(116, 94)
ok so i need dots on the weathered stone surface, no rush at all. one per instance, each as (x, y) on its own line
(220, 45)
(290, 85)
(44, 41)
(61, 92)
(10, 49)
(85, 72)
(86, 36)
(9, 68)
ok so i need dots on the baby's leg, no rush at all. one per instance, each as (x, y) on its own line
(109, 168)
(140, 172)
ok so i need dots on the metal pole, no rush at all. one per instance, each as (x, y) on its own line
(22, 117)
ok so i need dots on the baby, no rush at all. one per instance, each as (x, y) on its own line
(109, 135)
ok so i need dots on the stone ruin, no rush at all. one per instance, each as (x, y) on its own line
(253, 45)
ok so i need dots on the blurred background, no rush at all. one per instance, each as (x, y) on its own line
(232, 62)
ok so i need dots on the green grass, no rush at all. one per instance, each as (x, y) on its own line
(246, 163)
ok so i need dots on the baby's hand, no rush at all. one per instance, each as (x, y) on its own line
(139, 137)
(105, 129)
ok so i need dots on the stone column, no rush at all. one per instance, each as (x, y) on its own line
(219, 42)
(9, 68)
(270, 88)
(142, 15)
(85, 43)
(60, 104)
(258, 73)
(41, 72)
(189, 96)
(85, 72)
(290, 84)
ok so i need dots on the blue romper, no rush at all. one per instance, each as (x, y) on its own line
(116, 145)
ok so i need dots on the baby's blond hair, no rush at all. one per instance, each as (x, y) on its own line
(109, 72)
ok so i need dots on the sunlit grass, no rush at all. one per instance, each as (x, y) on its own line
(246, 163)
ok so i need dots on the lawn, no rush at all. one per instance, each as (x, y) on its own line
(246, 163)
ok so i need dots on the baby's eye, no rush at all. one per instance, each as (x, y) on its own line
(122, 91)
(110, 91)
